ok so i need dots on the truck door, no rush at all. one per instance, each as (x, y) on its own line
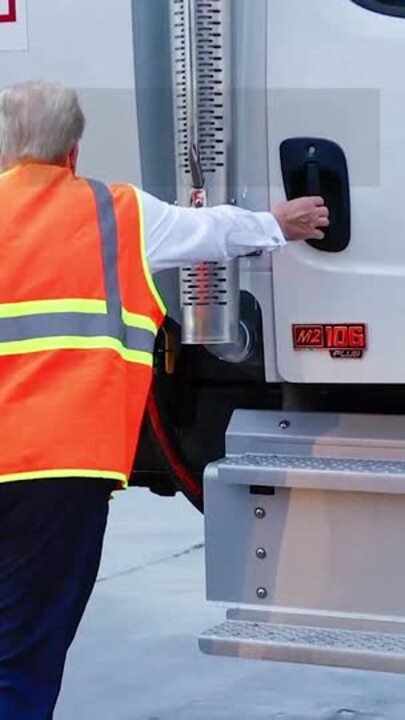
(336, 118)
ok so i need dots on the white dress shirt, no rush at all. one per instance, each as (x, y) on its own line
(177, 236)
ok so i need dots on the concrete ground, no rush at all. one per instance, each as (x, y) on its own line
(136, 656)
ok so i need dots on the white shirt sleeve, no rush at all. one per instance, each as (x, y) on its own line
(175, 236)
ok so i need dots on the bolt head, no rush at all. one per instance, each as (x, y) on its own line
(260, 513)
(261, 553)
(261, 593)
(284, 424)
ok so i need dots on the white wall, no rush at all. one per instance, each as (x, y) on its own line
(87, 44)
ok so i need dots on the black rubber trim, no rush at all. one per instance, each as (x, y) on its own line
(382, 8)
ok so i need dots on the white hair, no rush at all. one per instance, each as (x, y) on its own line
(42, 121)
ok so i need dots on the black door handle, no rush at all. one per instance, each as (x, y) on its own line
(313, 178)
(313, 166)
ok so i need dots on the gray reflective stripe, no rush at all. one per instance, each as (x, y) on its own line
(138, 339)
(109, 241)
(31, 327)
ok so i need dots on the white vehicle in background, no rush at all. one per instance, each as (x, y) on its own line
(281, 379)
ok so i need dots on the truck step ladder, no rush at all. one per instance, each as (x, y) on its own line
(305, 537)
(303, 644)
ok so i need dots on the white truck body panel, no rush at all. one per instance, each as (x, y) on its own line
(88, 45)
(335, 71)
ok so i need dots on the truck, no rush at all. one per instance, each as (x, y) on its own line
(278, 402)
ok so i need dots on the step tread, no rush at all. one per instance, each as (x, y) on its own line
(322, 638)
(303, 462)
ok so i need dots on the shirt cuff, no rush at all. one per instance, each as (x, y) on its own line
(271, 229)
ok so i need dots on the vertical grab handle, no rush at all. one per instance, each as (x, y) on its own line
(313, 179)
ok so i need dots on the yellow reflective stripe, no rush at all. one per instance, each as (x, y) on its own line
(139, 321)
(11, 171)
(148, 274)
(40, 307)
(71, 472)
(25, 347)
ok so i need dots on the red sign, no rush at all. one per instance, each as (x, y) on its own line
(342, 341)
(10, 14)
(308, 337)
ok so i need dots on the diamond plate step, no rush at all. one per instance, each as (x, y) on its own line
(315, 646)
(297, 462)
(306, 471)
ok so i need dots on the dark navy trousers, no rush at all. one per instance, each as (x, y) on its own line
(51, 537)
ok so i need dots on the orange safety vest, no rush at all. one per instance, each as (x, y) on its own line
(79, 314)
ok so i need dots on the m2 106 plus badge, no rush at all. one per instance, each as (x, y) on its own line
(343, 342)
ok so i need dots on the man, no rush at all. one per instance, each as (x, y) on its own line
(78, 316)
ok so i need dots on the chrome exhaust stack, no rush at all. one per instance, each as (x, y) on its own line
(201, 43)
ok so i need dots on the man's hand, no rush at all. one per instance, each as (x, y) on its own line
(303, 219)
